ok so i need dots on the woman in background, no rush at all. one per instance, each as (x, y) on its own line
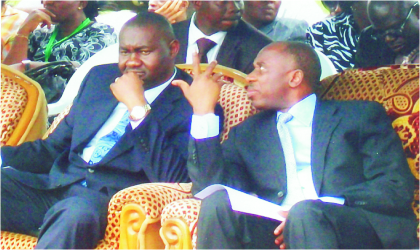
(337, 36)
(68, 32)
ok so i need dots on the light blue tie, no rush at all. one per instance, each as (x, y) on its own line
(106, 142)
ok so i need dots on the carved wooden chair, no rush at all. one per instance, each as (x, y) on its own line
(395, 87)
(134, 214)
(23, 108)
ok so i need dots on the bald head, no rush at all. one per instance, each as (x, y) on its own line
(158, 22)
(304, 57)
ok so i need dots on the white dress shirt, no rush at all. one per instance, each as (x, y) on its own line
(300, 129)
(194, 34)
(116, 116)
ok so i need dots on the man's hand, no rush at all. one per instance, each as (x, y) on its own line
(204, 91)
(279, 231)
(129, 90)
(36, 17)
(172, 10)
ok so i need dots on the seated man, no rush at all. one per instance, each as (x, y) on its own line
(119, 133)
(218, 32)
(262, 15)
(393, 37)
(298, 152)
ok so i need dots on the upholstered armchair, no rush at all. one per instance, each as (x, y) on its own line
(395, 87)
(134, 214)
(23, 108)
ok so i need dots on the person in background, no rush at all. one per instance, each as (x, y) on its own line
(337, 168)
(11, 19)
(127, 126)
(68, 32)
(393, 37)
(217, 31)
(262, 15)
(337, 36)
(173, 10)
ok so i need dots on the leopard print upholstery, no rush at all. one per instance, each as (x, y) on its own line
(395, 87)
(13, 102)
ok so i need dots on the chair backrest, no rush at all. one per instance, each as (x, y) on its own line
(327, 66)
(397, 89)
(233, 98)
(23, 108)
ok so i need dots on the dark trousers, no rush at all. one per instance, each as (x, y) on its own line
(72, 217)
(310, 224)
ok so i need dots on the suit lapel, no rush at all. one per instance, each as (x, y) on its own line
(181, 31)
(228, 50)
(162, 106)
(324, 123)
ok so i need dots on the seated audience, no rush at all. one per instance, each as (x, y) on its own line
(174, 10)
(337, 36)
(338, 165)
(262, 15)
(11, 19)
(127, 126)
(393, 37)
(68, 32)
(218, 33)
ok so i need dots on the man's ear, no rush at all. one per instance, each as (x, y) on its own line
(296, 78)
(174, 48)
(83, 4)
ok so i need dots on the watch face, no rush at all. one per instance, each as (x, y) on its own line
(139, 112)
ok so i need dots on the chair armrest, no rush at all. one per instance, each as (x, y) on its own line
(179, 224)
(134, 213)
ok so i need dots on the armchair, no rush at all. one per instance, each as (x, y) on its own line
(134, 214)
(395, 87)
(23, 108)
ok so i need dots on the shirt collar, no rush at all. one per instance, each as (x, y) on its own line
(153, 93)
(195, 33)
(303, 111)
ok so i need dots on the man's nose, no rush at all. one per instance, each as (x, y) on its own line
(134, 60)
(250, 78)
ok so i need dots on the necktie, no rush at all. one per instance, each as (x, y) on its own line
(108, 141)
(294, 190)
(204, 45)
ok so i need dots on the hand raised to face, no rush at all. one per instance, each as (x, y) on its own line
(36, 17)
(172, 10)
(129, 90)
(204, 91)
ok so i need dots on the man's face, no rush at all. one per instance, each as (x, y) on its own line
(269, 81)
(220, 15)
(156, 4)
(388, 27)
(262, 11)
(143, 50)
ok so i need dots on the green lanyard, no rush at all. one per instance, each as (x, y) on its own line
(51, 42)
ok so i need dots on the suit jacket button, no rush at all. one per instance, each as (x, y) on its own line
(91, 170)
(280, 194)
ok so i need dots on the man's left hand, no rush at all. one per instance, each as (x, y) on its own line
(279, 231)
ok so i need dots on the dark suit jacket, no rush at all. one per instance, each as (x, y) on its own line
(356, 154)
(156, 151)
(238, 50)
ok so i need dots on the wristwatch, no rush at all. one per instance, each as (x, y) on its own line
(26, 64)
(139, 112)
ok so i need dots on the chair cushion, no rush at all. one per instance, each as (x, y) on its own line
(13, 102)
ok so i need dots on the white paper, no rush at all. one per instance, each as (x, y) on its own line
(245, 203)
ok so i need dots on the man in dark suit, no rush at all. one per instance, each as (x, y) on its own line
(338, 166)
(233, 42)
(119, 133)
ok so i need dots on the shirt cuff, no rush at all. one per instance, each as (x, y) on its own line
(204, 126)
(336, 200)
(135, 124)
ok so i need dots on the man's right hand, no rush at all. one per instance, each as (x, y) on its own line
(129, 90)
(36, 17)
(204, 91)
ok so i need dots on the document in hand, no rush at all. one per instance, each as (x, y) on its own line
(245, 203)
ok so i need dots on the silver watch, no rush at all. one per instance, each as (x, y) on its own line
(139, 112)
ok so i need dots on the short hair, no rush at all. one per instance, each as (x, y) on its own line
(159, 22)
(92, 9)
(306, 59)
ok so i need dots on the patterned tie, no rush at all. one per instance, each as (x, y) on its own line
(294, 190)
(204, 45)
(108, 141)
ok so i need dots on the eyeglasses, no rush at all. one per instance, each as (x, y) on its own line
(380, 35)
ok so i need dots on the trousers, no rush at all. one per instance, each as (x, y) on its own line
(72, 217)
